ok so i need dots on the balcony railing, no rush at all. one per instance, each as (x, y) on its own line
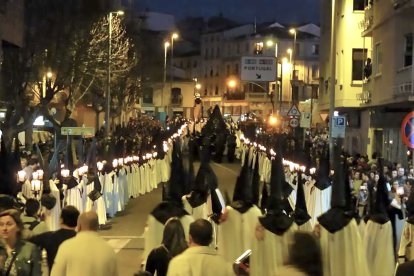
(364, 97)
(368, 22)
(403, 89)
(176, 101)
(257, 97)
(403, 82)
(230, 96)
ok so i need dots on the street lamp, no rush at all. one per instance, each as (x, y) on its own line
(293, 31)
(108, 84)
(270, 43)
(166, 45)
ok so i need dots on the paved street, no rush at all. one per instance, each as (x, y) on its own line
(125, 235)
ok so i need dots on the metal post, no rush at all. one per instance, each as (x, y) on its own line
(165, 73)
(171, 70)
(332, 83)
(108, 83)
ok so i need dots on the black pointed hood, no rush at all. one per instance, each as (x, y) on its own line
(69, 164)
(204, 183)
(256, 181)
(337, 217)
(300, 214)
(91, 156)
(177, 178)
(242, 195)
(166, 210)
(215, 123)
(276, 220)
(323, 180)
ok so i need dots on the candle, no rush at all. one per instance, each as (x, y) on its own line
(120, 162)
(35, 175)
(115, 163)
(65, 173)
(99, 165)
(36, 185)
(21, 176)
(40, 174)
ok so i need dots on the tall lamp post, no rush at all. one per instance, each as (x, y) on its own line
(173, 37)
(332, 82)
(108, 84)
(293, 31)
(166, 45)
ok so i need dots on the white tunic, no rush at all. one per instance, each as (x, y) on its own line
(343, 251)
(319, 202)
(379, 249)
(407, 237)
(270, 251)
(236, 233)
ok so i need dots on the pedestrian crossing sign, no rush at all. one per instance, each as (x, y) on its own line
(293, 111)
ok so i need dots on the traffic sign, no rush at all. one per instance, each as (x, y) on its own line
(293, 111)
(85, 131)
(305, 120)
(339, 125)
(258, 68)
(407, 130)
(294, 122)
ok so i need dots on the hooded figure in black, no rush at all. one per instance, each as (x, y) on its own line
(171, 206)
(300, 215)
(231, 146)
(274, 230)
(341, 243)
(203, 185)
(235, 229)
(378, 240)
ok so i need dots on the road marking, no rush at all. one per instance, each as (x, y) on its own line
(118, 244)
(225, 168)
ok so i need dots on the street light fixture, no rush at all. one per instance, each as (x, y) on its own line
(108, 84)
(166, 45)
(231, 84)
(270, 43)
(293, 31)
(173, 37)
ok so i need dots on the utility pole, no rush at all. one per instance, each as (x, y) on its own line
(332, 84)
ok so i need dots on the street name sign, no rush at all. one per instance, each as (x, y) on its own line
(84, 131)
(339, 125)
(258, 68)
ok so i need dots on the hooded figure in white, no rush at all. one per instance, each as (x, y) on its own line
(274, 230)
(236, 230)
(320, 193)
(300, 215)
(378, 234)
(341, 244)
(171, 207)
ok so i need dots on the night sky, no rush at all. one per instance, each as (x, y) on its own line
(289, 11)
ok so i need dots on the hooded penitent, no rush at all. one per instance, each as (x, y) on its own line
(322, 179)
(379, 213)
(176, 187)
(205, 182)
(276, 220)
(300, 214)
(242, 195)
(337, 217)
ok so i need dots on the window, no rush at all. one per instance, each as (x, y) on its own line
(297, 50)
(315, 71)
(228, 70)
(359, 5)
(377, 62)
(358, 58)
(258, 48)
(216, 90)
(408, 52)
(218, 52)
(206, 54)
(315, 49)
(236, 69)
(247, 47)
(194, 64)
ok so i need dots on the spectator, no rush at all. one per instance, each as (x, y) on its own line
(22, 258)
(173, 243)
(31, 222)
(199, 258)
(305, 257)
(86, 254)
(368, 68)
(50, 241)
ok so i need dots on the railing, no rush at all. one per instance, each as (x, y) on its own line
(364, 97)
(403, 89)
(177, 101)
(403, 82)
(257, 97)
(234, 96)
(368, 21)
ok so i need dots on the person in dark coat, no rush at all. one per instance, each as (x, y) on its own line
(405, 269)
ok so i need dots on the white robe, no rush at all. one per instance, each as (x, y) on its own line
(407, 237)
(236, 234)
(200, 212)
(379, 249)
(271, 252)
(52, 217)
(319, 202)
(154, 230)
(343, 252)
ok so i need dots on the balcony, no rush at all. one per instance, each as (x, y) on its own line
(368, 22)
(232, 96)
(257, 97)
(176, 101)
(365, 96)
